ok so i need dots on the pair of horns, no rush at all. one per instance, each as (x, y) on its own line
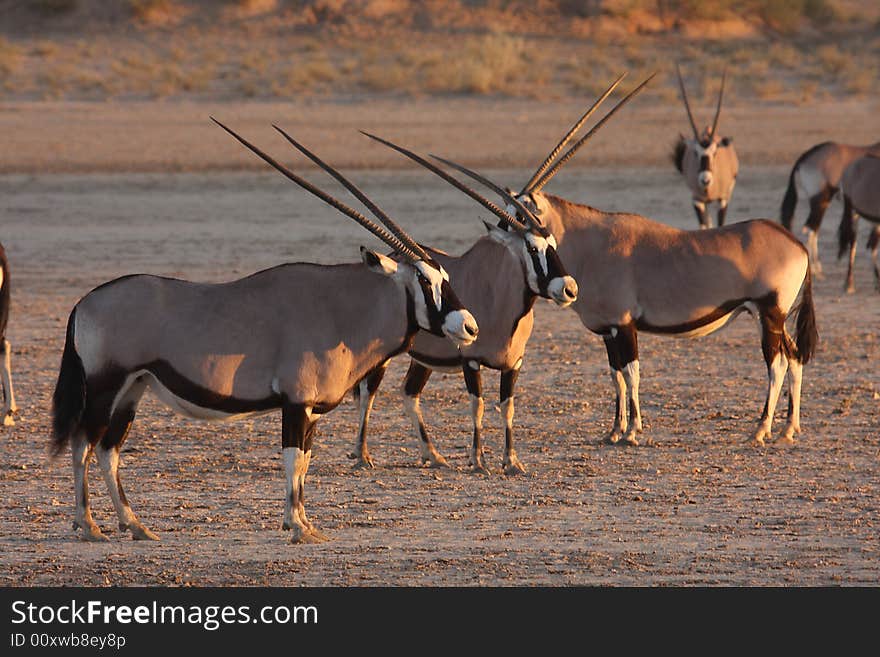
(506, 217)
(545, 172)
(688, 107)
(397, 238)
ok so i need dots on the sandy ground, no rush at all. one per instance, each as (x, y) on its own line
(699, 508)
(70, 137)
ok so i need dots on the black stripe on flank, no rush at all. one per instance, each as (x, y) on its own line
(435, 362)
(203, 397)
(686, 327)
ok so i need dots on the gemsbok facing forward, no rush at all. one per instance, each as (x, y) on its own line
(816, 176)
(708, 162)
(498, 279)
(860, 188)
(9, 406)
(296, 337)
(635, 275)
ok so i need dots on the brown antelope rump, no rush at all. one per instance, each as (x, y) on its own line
(498, 279)
(860, 188)
(708, 162)
(635, 274)
(816, 176)
(10, 408)
(296, 337)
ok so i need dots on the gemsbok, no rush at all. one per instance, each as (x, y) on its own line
(860, 188)
(498, 279)
(296, 337)
(816, 176)
(708, 162)
(10, 408)
(635, 274)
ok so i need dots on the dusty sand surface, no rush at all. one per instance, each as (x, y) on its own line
(71, 137)
(699, 508)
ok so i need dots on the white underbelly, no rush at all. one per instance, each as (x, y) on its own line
(711, 327)
(188, 409)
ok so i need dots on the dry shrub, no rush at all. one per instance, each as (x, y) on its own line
(486, 64)
(156, 12)
(10, 57)
(862, 82)
(247, 8)
(833, 60)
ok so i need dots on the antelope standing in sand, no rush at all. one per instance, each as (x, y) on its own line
(635, 274)
(498, 279)
(9, 406)
(816, 176)
(295, 337)
(860, 188)
(708, 162)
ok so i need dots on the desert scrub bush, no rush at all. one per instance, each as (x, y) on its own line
(10, 57)
(863, 81)
(154, 11)
(833, 59)
(486, 64)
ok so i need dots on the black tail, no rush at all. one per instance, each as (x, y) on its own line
(846, 231)
(69, 399)
(678, 154)
(789, 201)
(807, 335)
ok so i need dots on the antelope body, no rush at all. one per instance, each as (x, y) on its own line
(295, 337)
(635, 274)
(816, 176)
(860, 188)
(498, 279)
(708, 163)
(10, 408)
(640, 275)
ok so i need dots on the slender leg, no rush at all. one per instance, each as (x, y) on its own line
(82, 453)
(628, 352)
(795, 377)
(818, 206)
(702, 214)
(365, 391)
(10, 408)
(416, 378)
(297, 428)
(772, 332)
(107, 451)
(850, 275)
(618, 429)
(475, 390)
(511, 463)
(722, 211)
(873, 246)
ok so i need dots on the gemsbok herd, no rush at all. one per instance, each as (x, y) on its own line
(299, 336)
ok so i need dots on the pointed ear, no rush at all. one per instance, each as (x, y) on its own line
(378, 263)
(496, 233)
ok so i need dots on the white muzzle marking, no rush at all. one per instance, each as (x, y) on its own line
(461, 327)
(705, 179)
(563, 290)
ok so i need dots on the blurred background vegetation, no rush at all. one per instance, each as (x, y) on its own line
(789, 51)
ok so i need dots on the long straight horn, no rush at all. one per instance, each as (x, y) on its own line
(350, 186)
(503, 193)
(577, 126)
(687, 105)
(378, 231)
(583, 140)
(512, 221)
(718, 109)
